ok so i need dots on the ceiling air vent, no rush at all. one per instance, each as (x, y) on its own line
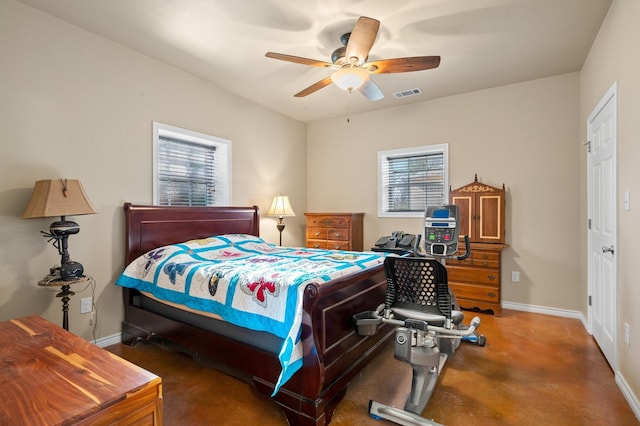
(405, 93)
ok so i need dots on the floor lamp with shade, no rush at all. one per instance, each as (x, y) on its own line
(53, 198)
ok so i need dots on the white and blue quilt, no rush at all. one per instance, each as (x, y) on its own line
(246, 281)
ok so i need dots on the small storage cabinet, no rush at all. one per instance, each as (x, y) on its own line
(476, 280)
(52, 377)
(335, 231)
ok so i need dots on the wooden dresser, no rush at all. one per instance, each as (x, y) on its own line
(335, 231)
(476, 280)
(52, 377)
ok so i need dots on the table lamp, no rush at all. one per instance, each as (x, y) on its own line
(280, 208)
(60, 197)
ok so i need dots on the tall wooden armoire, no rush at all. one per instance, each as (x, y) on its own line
(475, 280)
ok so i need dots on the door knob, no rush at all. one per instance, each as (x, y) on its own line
(608, 249)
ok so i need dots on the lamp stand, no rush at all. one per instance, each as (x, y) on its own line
(59, 232)
(280, 226)
(65, 292)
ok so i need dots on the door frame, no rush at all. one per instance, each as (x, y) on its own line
(611, 94)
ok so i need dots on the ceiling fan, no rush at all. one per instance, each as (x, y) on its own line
(351, 71)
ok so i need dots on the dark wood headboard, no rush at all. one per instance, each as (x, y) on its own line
(149, 227)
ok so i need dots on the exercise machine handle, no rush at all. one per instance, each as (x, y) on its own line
(467, 249)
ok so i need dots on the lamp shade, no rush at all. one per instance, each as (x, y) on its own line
(281, 207)
(58, 197)
(350, 78)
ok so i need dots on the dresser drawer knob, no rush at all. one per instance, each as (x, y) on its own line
(317, 234)
(491, 294)
(485, 256)
(485, 264)
(491, 277)
(316, 246)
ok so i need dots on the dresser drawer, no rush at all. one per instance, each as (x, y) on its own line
(474, 292)
(317, 244)
(479, 255)
(495, 264)
(469, 274)
(338, 234)
(480, 263)
(329, 221)
(316, 233)
(338, 245)
(484, 259)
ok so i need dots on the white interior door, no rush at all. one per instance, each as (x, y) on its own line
(602, 187)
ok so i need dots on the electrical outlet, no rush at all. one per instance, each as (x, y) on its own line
(515, 276)
(626, 334)
(86, 305)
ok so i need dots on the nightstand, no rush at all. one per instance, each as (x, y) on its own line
(54, 280)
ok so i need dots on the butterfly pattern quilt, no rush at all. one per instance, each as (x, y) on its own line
(246, 281)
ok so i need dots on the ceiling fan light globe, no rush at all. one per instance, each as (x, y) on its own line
(349, 78)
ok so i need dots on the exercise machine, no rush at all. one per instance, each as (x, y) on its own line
(419, 302)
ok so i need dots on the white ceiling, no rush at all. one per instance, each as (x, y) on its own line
(483, 43)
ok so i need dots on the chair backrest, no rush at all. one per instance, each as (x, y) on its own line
(420, 288)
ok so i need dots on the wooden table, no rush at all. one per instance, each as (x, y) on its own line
(49, 376)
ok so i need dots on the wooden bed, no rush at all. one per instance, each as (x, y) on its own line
(332, 352)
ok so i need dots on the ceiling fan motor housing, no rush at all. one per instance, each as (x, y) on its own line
(337, 57)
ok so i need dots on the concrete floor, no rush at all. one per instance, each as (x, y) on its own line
(534, 370)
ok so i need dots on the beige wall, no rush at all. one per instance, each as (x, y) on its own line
(615, 57)
(75, 105)
(523, 135)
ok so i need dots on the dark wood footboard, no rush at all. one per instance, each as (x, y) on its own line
(333, 352)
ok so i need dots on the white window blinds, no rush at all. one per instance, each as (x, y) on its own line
(186, 173)
(190, 168)
(412, 179)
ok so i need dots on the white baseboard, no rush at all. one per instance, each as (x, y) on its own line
(628, 394)
(109, 340)
(547, 311)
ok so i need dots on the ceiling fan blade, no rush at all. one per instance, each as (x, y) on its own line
(414, 63)
(299, 60)
(371, 90)
(314, 87)
(361, 39)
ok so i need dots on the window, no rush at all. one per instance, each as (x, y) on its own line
(411, 179)
(190, 168)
